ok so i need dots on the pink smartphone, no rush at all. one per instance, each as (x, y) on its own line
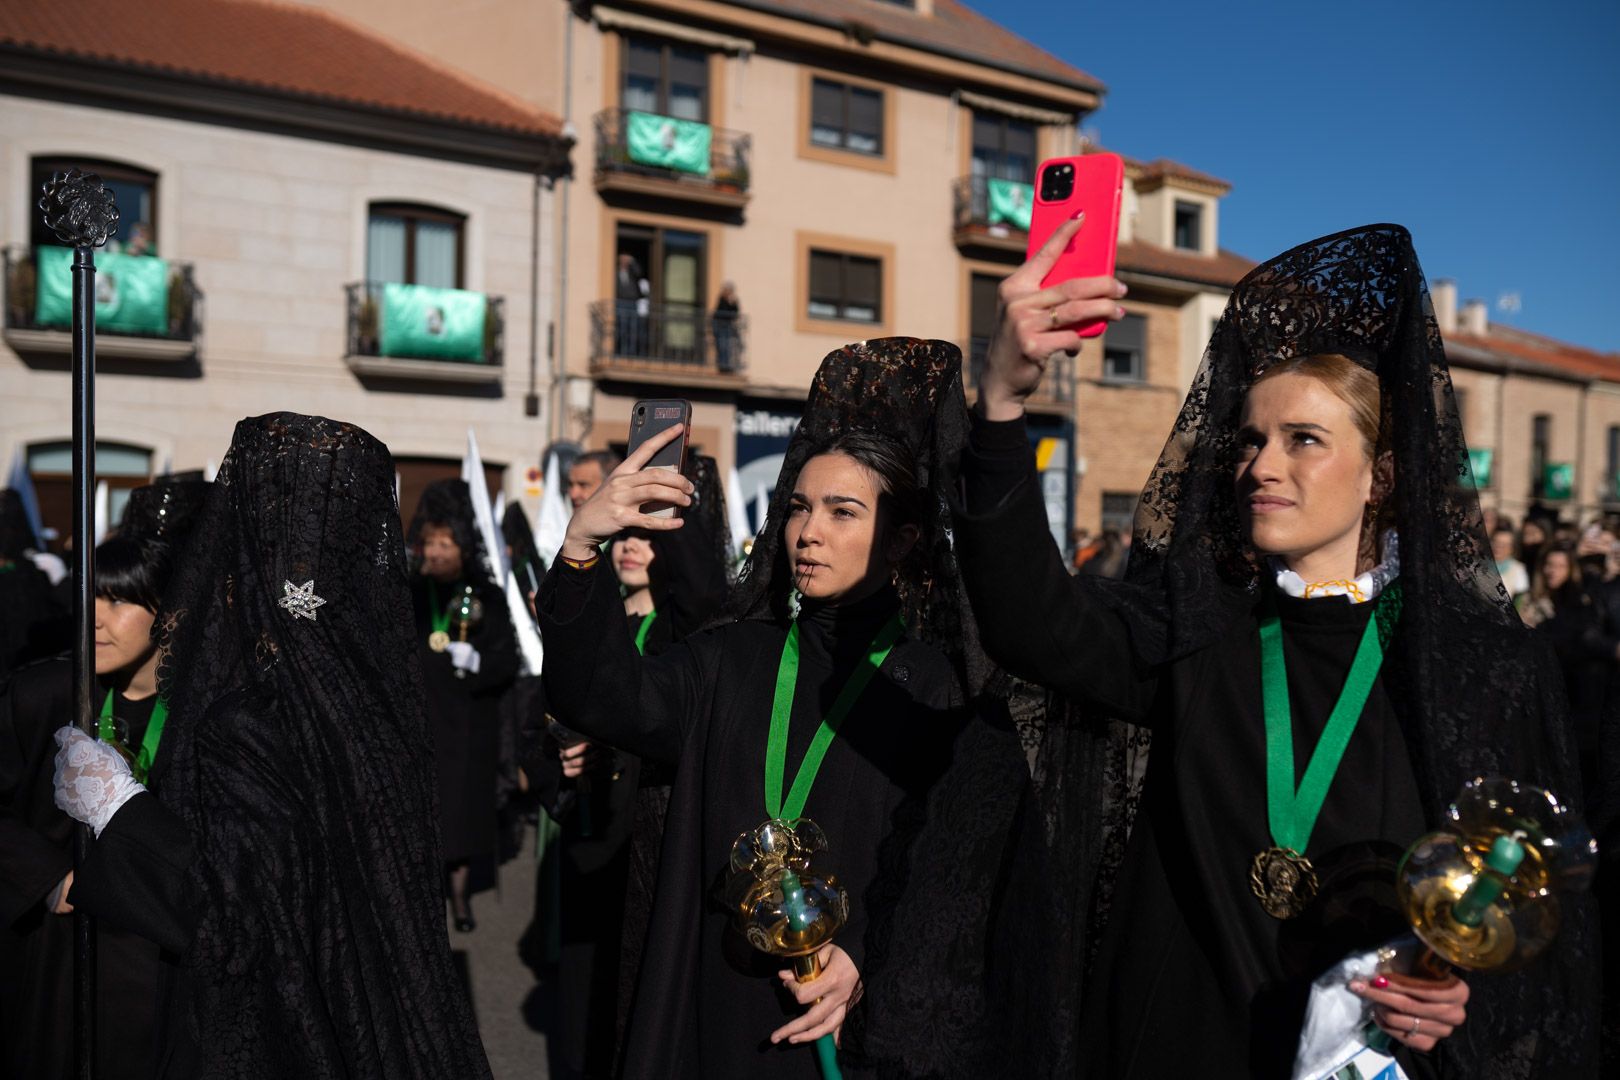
(1064, 187)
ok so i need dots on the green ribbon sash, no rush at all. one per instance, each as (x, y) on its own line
(787, 679)
(438, 618)
(1292, 814)
(108, 733)
(641, 631)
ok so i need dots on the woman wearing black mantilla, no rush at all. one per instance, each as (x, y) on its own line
(469, 658)
(856, 531)
(289, 859)
(1313, 631)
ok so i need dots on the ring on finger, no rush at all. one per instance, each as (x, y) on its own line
(1417, 1022)
(1054, 317)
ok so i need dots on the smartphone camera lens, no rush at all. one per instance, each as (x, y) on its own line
(1057, 183)
(641, 412)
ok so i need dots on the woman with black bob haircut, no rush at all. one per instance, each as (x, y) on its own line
(36, 838)
(850, 580)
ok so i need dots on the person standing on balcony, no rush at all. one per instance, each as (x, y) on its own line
(631, 307)
(469, 659)
(724, 324)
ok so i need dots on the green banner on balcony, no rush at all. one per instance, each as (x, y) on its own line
(1479, 468)
(1559, 481)
(132, 291)
(432, 324)
(1010, 203)
(682, 145)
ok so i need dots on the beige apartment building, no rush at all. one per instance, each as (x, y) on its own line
(314, 218)
(847, 165)
(1542, 416)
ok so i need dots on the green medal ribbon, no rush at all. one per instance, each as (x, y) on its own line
(438, 619)
(149, 742)
(641, 631)
(1292, 815)
(787, 678)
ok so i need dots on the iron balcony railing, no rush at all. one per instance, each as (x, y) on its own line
(425, 324)
(158, 300)
(665, 148)
(678, 337)
(991, 205)
(1057, 386)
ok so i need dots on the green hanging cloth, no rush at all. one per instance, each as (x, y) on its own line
(432, 324)
(1011, 203)
(682, 145)
(132, 291)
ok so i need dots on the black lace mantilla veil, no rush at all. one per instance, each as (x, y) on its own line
(909, 390)
(1476, 692)
(349, 913)
(449, 503)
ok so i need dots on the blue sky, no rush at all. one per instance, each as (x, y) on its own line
(1490, 129)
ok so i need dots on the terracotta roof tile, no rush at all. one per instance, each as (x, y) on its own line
(1164, 169)
(1224, 269)
(953, 29)
(1537, 349)
(285, 47)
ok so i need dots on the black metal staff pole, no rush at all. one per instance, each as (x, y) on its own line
(82, 214)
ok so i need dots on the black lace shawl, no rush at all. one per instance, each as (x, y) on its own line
(909, 390)
(165, 507)
(346, 905)
(1480, 693)
(448, 503)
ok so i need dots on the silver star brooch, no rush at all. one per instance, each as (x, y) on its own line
(300, 599)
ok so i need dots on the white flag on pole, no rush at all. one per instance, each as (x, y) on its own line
(736, 513)
(554, 514)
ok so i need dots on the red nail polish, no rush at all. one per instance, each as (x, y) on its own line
(1380, 982)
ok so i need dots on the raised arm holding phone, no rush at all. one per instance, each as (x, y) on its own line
(1301, 509)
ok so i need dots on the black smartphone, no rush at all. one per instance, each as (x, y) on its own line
(649, 418)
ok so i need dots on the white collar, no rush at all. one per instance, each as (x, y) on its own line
(1364, 588)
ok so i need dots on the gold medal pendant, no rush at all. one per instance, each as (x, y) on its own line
(1284, 880)
(438, 641)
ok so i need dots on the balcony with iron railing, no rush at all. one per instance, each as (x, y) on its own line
(147, 308)
(642, 153)
(1055, 395)
(991, 213)
(402, 331)
(673, 344)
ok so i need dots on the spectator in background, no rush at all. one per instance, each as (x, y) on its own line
(1515, 578)
(724, 323)
(586, 474)
(29, 612)
(1562, 606)
(1111, 555)
(1532, 538)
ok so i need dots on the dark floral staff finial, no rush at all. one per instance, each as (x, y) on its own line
(79, 209)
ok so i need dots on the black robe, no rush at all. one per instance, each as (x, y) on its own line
(705, 1002)
(31, 620)
(36, 947)
(464, 719)
(607, 877)
(1191, 974)
(276, 976)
